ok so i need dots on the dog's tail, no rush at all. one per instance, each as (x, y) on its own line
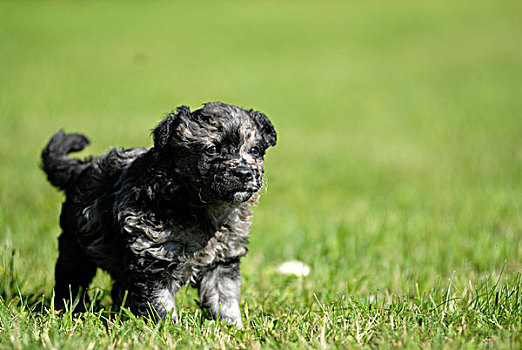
(60, 168)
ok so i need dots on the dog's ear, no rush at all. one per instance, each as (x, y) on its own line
(165, 129)
(265, 127)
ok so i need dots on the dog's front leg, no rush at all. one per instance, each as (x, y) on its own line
(219, 291)
(147, 298)
(165, 304)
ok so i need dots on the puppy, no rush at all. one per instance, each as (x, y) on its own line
(159, 218)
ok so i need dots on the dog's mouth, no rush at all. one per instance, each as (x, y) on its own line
(242, 194)
(230, 189)
(234, 195)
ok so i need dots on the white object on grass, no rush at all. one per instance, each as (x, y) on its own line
(294, 267)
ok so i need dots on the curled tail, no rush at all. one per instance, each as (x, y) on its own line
(60, 168)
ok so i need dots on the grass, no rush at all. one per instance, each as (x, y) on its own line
(397, 176)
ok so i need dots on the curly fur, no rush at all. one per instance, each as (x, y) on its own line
(157, 219)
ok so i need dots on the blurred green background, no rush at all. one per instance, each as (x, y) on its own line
(399, 159)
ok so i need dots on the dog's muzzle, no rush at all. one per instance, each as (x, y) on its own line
(249, 183)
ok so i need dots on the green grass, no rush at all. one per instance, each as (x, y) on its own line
(397, 177)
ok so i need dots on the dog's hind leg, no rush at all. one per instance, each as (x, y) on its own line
(73, 274)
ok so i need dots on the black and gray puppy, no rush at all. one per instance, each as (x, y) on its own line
(159, 218)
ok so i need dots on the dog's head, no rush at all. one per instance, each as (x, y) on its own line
(217, 150)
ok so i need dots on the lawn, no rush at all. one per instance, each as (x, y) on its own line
(397, 176)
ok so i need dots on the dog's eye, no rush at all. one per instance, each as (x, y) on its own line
(254, 150)
(212, 150)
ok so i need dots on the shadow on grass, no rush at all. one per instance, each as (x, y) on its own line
(14, 298)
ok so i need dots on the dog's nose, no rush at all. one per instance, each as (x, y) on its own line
(243, 172)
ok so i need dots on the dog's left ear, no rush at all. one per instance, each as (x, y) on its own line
(163, 132)
(265, 127)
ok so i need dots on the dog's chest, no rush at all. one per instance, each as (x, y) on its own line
(190, 245)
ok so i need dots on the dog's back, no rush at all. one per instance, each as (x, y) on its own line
(65, 172)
